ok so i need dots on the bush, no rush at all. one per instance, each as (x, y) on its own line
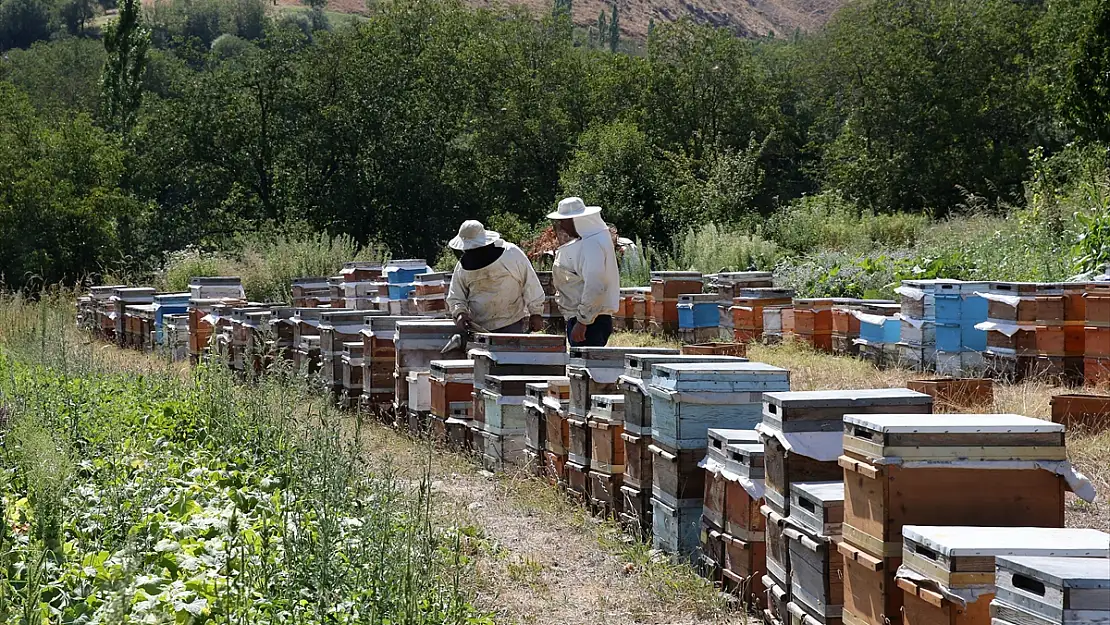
(23, 22)
(712, 248)
(830, 222)
(228, 46)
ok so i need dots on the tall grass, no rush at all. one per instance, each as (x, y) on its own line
(830, 222)
(166, 497)
(713, 248)
(268, 263)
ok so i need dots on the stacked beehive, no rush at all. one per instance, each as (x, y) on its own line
(607, 456)
(816, 565)
(985, 470)
(959, 344)
(379, 361)
(138, 324)
(802, 433)
(205, 295)
(728, 286)
(400, 276)
(306, 339)
(122, 297)
(698, 318)
(247, 345)
(919, 342)
(452, 387)
(351, 367)
(553, 321)
(749, 321)
(716, 506)
(592, 371)
(636, 487)
(280, 344)
(337, 327)
(104, 322)
(1011, 328)
(641, 309)
(1060, 315)
(948, 573)
(175, 329)
(744, 532)
(557, 439)
(1050, 591)
(416, 344)
(845, 331)
(880, 330)
(311, 292)
(429, 294)
(666, 286)
(687, 399)
(419, 382)
(167, 304)
(623, 319)
(1096, 362)
(514, 359)
(358, 286)
(535, 427)
(810, 321)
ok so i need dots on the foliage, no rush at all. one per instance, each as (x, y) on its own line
(126, 42)
(1092, 250)
(1087, 95)
(23, 22)
(190, 499)
(712, 248)
(59, 77)
(828, 221)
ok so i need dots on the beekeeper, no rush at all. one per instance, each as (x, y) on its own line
(586, 274)
(494, 285)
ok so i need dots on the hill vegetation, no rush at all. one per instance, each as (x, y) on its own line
(906, 136)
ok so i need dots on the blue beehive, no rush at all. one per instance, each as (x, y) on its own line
(948, 302)
(404, 272)
(168, 304)
(697, 311)
(974, 311)
(949, 337)
(687, 399)
(400, 291)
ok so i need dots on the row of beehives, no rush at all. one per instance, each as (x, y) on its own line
(679, 452)
(797, 502)
(1004, 329)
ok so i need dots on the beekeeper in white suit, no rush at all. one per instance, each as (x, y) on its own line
(494, 285)
(586, 274)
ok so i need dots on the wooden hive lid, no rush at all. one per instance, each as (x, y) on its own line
(452, 366)
(172, 298)
(828, 494)
(969, 541)
(521, 342)
(751, 451)
(354, 348)
(216, 281)
(607, 408)
(676, 275)
(611, 356)
(671, 374)
(722, 438)
(535, 391)
(763, 292)
(952, 424)
(698, 298)
(637, 365)
(1061, 572)
(846, 398)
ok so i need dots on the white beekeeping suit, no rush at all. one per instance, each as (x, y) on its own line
(586, 274)
(501, 288)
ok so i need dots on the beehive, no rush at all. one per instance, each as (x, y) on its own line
(1044, 590)
(717, 477)
(637, 375)
(535, 425)
(744, 524)
(948, 573)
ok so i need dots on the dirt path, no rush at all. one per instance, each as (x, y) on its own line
(541, 559)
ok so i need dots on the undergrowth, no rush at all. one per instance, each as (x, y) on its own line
(192, 498)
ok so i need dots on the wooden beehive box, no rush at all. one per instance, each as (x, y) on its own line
(637, 375)
(676, 478)
(817, 507)
(955, 393)
(542, 343)
(1015, 302)
(734, 350)
(504, 401)
(535, 426)
(816, 574)
(906, 469)
(1044, 590)
(1091, 412)
(690, 398)
(778, 597)
(742, 518)
(606, 422)
(637, 460)
(418, 343)
(533, 363)
(578, 448)
(778, 547)
(452, 382)
(675, 529)
(715, 504)
(595, 370)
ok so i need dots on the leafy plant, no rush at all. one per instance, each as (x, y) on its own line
(1092, 249)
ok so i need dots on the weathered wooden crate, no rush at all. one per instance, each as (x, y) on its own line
(778, 597)
(940, 563)
(1051, 591)
(817, 507)
(778, 547)
(690, 398)
(1012, 301)
(635, 511)
(783, 467)
(554, 467)
(535, 426)
(816, 574)
(676, 477)
(498, 450)
(735, 350)
(1075, 411)
(675, 529)
(743, 519)
(871, 596)
(557, 439)
(578, 480)
(451, 382)
(799, 616)
(595, 370)
(715, 499)
(578, 450)
(637, 460)
(606, 423)
(605, 493)
(745, 565)
(637, 375)
(504, 400)
(711, 551)
(510, 363)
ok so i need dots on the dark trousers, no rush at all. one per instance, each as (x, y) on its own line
(597, 333)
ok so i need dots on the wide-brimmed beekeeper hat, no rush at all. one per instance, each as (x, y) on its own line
(573, 207)
(472, 234)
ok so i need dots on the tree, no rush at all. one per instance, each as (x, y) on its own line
(614, 30)
(602, 29)
(126, 42)
(23, 22)
(562, 7)
(75, 14)
(1087, 86)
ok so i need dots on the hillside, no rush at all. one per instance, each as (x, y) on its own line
(752, 18)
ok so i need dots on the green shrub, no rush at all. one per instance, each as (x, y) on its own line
(712, 248)
(830, 222)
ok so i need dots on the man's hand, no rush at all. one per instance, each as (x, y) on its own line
(578, 334)
(462, 321)
(535, 322)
